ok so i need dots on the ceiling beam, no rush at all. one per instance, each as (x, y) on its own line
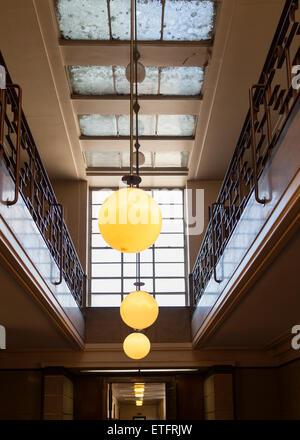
(117, 53)
(97, 171)
(149, 104)
(148, 143)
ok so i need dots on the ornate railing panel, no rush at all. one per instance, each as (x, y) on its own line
(271, 101)
(21, 158)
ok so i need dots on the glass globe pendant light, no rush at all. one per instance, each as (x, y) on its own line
(136, 346)
(139, 309)
(129, 219)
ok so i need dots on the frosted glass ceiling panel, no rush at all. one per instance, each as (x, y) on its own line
(83, 19)
(146, 125)
(122, 84)
(92, 80)
(181, 80)
(148, 159)
(98, 125)
(148, 18)
(102, 159)
(148, 87)
(176, 125)
(150, 84)
(188, 20)
(171, 159)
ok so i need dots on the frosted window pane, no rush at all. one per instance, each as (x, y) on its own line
(148, 87)
(95, 227)
(176, 125)
(170, 285)
(181, 80)
(171, 211)
(165, 240)
(169, 270)
(100, 195)
(170, 300)
(106, 286)
(129, 285)
(92, 80)
(168, 196)
(169, 255)
(106, 256)
(129, 257)
(150, 84)
(102, 159)
(146, 256)
(146, 270)
(129, 270)
(83, 19)
(98, 241)
(148, 19)
(95, 211)
(98, 125)
(172, 226)
(148, 159)
(120, 19)
(122, 84)
(171, 159)
(188, 20)
(106, 270)
(146, 125)
(106, 300)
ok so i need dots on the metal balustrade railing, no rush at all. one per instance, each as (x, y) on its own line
(19, 154)
(271, 102)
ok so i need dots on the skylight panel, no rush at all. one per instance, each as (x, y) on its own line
(148, 19)
(174, 159)
(176, 125)
(122, 83)
(148, 87)
(150, 84)
(92, 80)
(146, 125)
(106, 125)
(98, 125)
(188, 20)
(88, 19)
(125, 156)
(115, 159)
(181, 80)
(83, 19)
(103, 159)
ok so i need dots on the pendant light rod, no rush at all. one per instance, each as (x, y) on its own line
(131, 82)
(133, 179)
(137, 107)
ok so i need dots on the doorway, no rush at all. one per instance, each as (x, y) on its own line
(136, 400)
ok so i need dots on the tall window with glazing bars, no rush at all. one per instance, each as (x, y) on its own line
(163, 266)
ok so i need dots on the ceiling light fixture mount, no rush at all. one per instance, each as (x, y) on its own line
(139, 71)
(135, 73)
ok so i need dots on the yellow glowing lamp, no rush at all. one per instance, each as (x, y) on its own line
(139, 393)
(139, 386)
(130, 220)
(139, 310)
(139, 403)
(136, 345)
